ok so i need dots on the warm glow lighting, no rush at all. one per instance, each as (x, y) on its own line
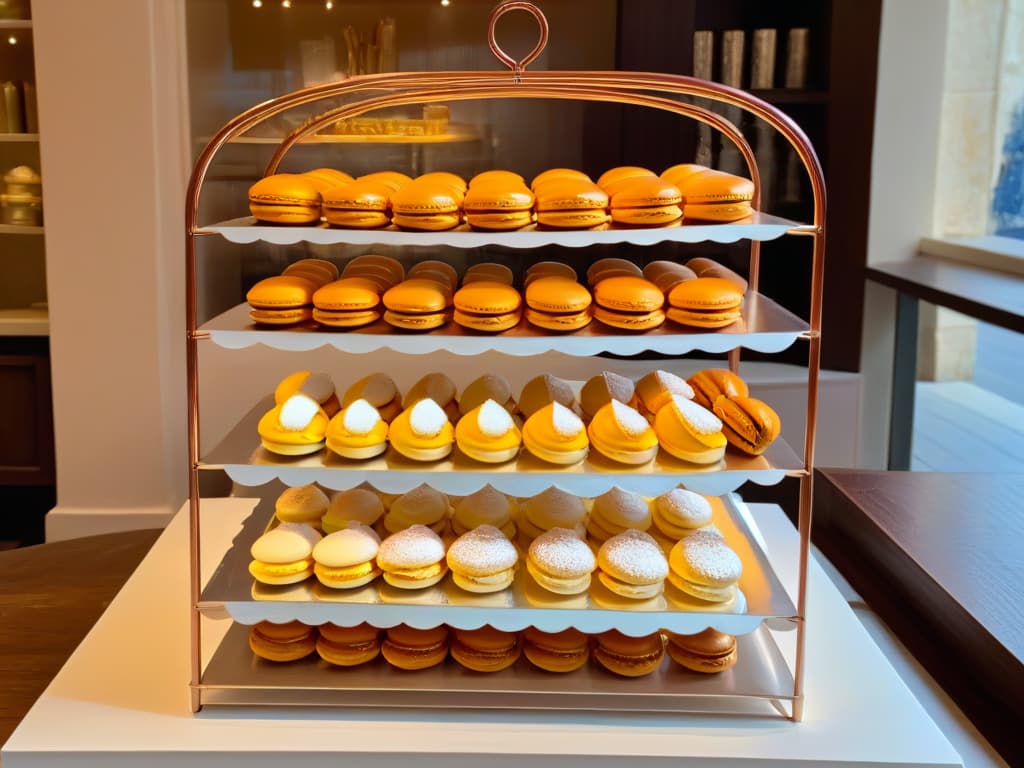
(446, 3)
(286, 3)
(328, 5)
(12, 40)
(257, 3)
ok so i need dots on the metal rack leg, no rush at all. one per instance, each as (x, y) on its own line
(904, 378)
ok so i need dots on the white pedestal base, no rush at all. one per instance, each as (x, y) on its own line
(123, 699)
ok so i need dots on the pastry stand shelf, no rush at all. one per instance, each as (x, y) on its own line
(760, 226)
(760, 677)
(762, 598)
(765, 327)
(248, 463)
(672, 94)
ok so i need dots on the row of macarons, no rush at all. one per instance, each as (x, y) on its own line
(487, 649)
(629, 562)
(693, 420)
(500, 200)
(669, 517)
(699, 294)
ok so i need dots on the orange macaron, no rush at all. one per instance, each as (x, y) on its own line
(488, 306)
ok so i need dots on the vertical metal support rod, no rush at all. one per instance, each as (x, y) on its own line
(904, 379)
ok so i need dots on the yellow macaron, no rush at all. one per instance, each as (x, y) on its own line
(285, 198)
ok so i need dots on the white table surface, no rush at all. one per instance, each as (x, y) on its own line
(123, 697)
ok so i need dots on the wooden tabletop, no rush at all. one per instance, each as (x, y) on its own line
(940, 558)
(50, 596)
(991, 296)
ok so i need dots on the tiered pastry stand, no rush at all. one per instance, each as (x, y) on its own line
(761, 677)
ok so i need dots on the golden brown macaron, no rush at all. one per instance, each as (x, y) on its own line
(326, 178)
(320, 271)
(375, 264)
(554, 174)
(571, 204)
(430, 206)
(453, 180)
(611, 266)
(629, 656)
(487, 306)
(360, 204)
(281, 300)
(646, 201)
(541, 269)
(409, 648)
(709, 383)
(705, 302)
(748, 423)
(485, 649)
(709, 651)
(435, 268)
(704, 267)
(394, 180)
(612, 180)
(716, 196)
(667, 274)
(676, 174)
(629, 303)
(285, 198)
(347, 303)
(290, 641)
(490, 271)
(417, 304)
(498, 206)
(499, 177)
(348, 646)
(438, 387)
(563, 651)
(558, 304)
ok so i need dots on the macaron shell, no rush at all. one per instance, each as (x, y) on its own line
(561, 323)
(285, 189)
(281, 292)
(556, 294)
(629, 293)
(280, 316)
(487, 298)
(748, 423)
(630, 321)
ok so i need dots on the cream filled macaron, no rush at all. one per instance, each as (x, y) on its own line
(284, 555)
(413, 558)
(483, 560)
(346, 559)
(490, 386)
(656, 388)
(561, 562)
(631, 564)
(680, 512)
(705, 567)
(622, 434)
(556, 435)
(689, 431)
(618, 510)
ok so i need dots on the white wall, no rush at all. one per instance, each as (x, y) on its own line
(911, 60)
(115, 161)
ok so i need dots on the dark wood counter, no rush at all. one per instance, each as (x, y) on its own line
(50, 596)
(940, 558)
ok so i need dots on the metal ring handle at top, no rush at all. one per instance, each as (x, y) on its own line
(517, 67)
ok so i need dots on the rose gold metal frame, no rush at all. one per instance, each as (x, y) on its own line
(634, 88)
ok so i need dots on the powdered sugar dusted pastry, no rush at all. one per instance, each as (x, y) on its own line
(561, 562)
(616, 511)
(483, 560)
(632, 565)
(680, 512)
(412, 558)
